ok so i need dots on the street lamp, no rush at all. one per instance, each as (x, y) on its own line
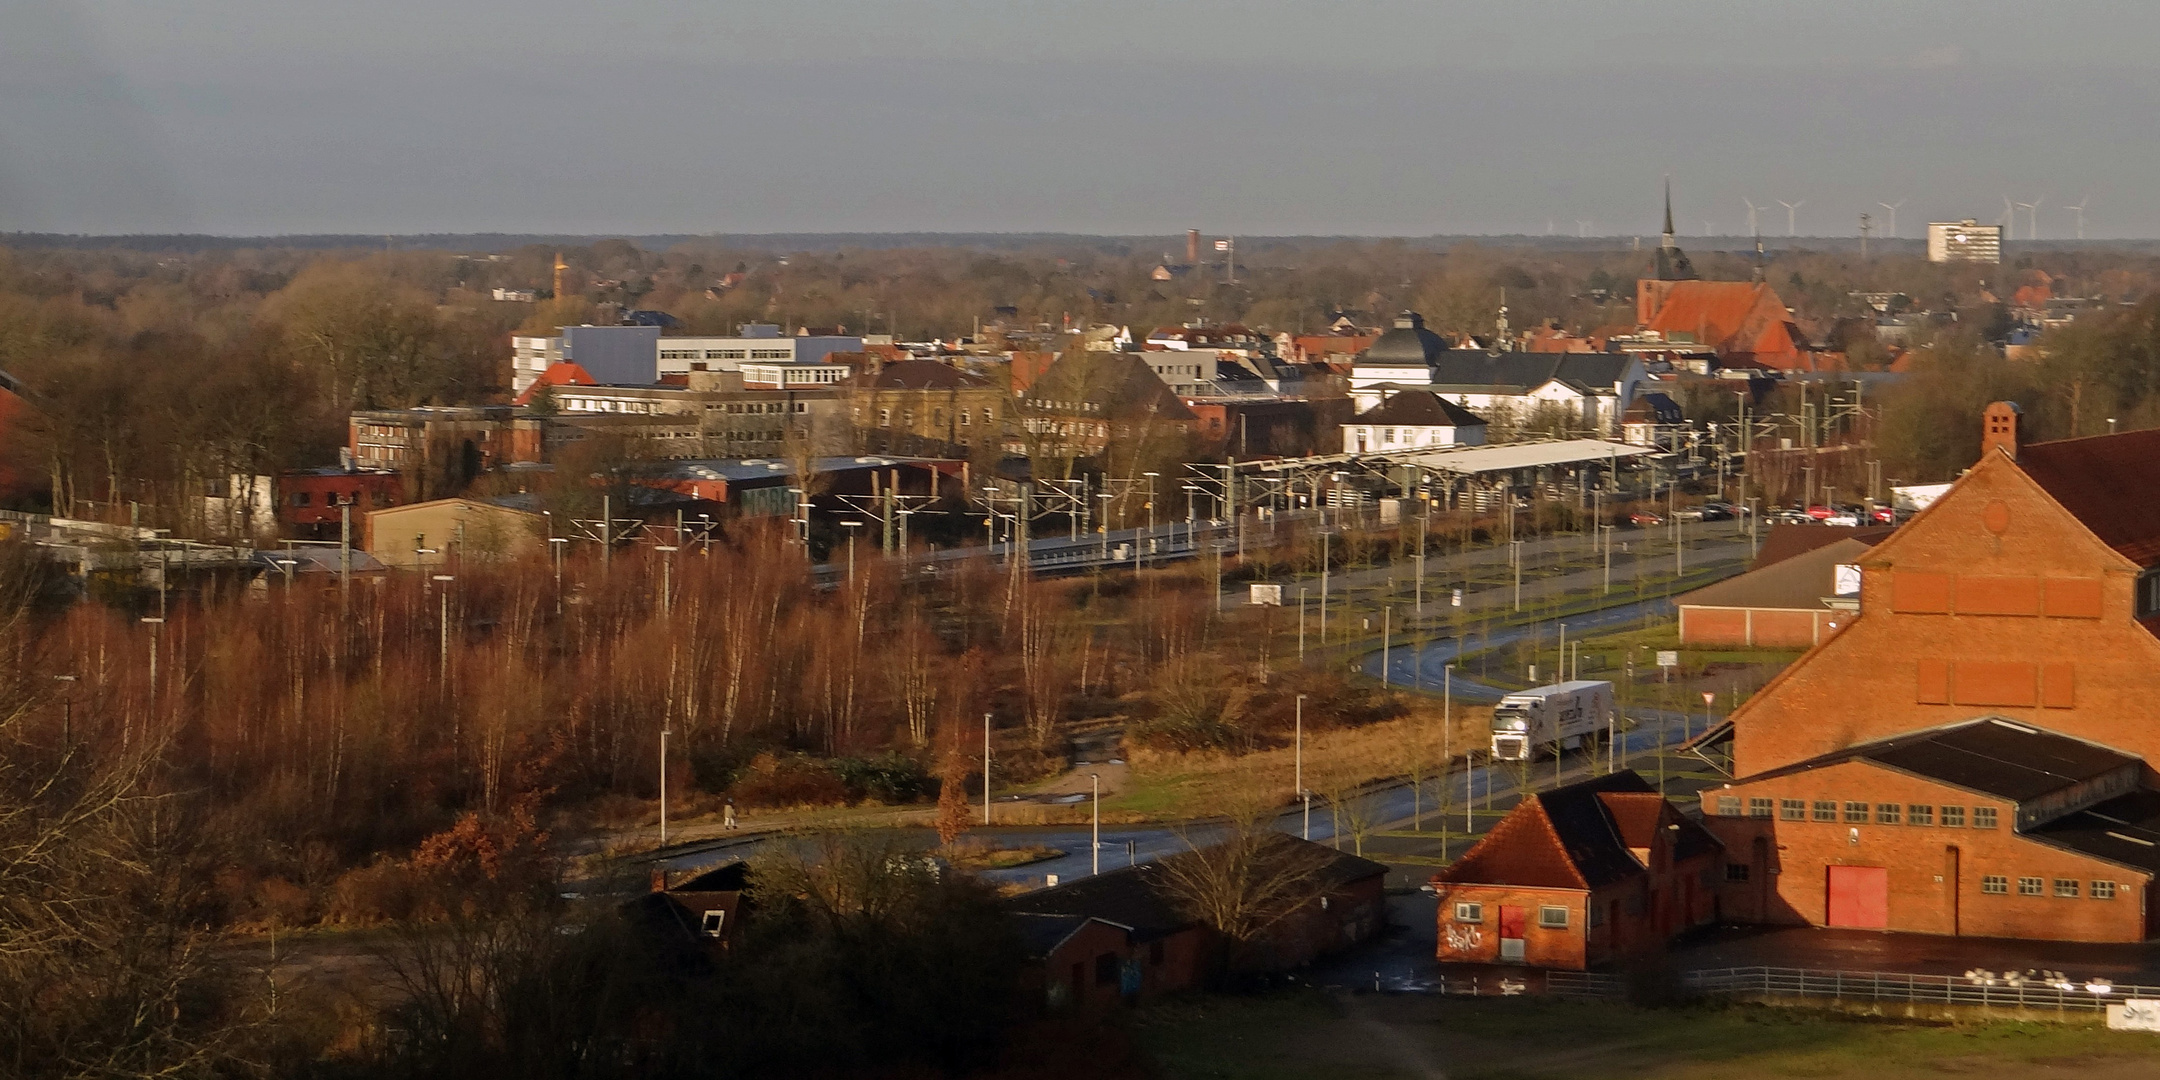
(1151, 507)
(67, 710)
(664, 733)
(155, 623)
(1102, 524)
(1095, 845)
(287, 565)
(1302, 793)
(443, 670)
(851, 526)
(556, 546)
(667, 578)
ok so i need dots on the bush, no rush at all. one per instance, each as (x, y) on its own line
(775, 782)
(892, 779)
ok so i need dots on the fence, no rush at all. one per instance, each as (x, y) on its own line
(1986, 992)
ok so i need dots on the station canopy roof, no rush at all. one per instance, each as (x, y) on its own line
(1508, 457)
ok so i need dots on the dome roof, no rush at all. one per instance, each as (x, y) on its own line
(1408, 343)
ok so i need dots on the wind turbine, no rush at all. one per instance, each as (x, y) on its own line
(1753, 228)
(2032, 217)
(1582, 227)
(1892, 207)
(2008, 220)
(1790, 207)
(2079, 210)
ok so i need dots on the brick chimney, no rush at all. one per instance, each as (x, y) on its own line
(1999, 429)
(1192, 247)
(659, 879)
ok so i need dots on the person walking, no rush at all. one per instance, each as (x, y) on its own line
(727, 815)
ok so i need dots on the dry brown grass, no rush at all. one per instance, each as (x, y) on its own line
(1173, 786)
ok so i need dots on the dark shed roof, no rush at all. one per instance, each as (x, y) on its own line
(1419, 408)
(1990, 755)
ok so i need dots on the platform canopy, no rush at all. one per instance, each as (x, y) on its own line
(1512, 457)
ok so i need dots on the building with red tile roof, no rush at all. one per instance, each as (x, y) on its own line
(1578, 876)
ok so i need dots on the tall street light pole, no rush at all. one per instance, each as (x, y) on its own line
(986, 768)
(442, 672)
(1302, 794)
(667, 574)
(664, 733)
(1095, 840)
(556, 544)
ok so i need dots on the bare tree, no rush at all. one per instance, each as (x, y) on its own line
(1243, 879)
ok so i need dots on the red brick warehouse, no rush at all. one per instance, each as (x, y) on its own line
(1969, 754)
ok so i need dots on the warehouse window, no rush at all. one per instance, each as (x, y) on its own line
(1758, 808)
(2067, 888)
(1792, 810)
(1825, 811)
(1995, 885)
(1728, 805)
(1920, 814)
(1552, 917)
(1983, 817)
(1953, 817)
(1886, 813)
(2029, 886)
(1470, 912)
(1736, 871)
(2103, 890)
(1856, 813)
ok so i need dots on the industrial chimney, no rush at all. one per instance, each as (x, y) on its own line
(1192, 247)
(1999, 429)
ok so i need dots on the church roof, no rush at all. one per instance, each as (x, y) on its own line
(1408, 343)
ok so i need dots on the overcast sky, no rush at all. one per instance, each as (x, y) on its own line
(1378, 117)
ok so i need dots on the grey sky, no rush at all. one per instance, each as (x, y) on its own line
(1106, 116)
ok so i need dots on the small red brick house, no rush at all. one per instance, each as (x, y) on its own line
(703, 914)
(1987, 828)
(1123, 935)
(1579, 876)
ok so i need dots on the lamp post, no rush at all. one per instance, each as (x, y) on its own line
(664, 733)
(556, 545)
(67, 711)
(1102, 525)
(443, 670)
(287, 566)
(1302, 793)
(851, 526)
(986, 768)
(667, 575)
(1095, 840)
(156, 623)
(1151, 507)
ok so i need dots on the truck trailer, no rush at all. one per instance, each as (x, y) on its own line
(1559, 717)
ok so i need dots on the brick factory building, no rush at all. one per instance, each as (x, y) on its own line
(2003, 659)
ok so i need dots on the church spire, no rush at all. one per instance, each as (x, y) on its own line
(1668, 214)
(1672, 263)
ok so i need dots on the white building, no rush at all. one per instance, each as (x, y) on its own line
(1184, 371)
(1410, 420)
(1964, 241)
(753, 343)
(1506, 388)
(529, 356)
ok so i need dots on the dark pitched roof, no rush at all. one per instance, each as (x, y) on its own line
(734, 877)
(2096, 480)
(1118, 384)
(1576, 837)
(1041, 934)
(1136, 897)
(1472, 371)
(925, 375)
(1989, 755)
(1786, 541)
(1419, 408)
(1799, 582)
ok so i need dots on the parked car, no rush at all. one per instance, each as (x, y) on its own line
(1885, 515)
(1820, 512)
(1644, 517)
(1717, 512)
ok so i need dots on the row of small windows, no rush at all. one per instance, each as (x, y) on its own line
(725, 354)
(937, 418)
(1550, 916)
(1861, 813)
(2064, 888)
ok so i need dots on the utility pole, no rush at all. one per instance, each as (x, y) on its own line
(442, 670)
(1300, 759)
(664, 733)
(1323, 585)
(986, 768)
(1301, 624)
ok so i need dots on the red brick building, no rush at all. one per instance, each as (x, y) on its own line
(1579, 876)
(2028, 593)
(1987, 828)
(310, 501)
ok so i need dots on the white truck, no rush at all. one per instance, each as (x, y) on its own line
(1545, 718)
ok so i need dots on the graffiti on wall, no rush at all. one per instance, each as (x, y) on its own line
(1464, 938)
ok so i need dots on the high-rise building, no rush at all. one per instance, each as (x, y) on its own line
(1964, 241)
